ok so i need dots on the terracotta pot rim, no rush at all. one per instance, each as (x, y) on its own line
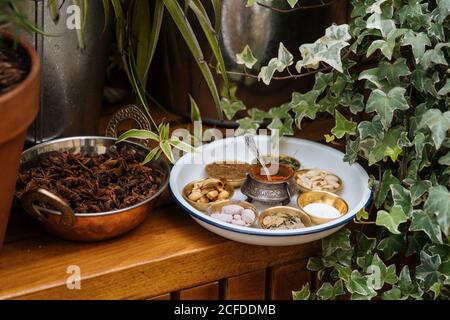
(32, 74)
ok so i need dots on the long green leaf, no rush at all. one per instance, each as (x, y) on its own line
(183, 146)
(53, 9)
(138, 134)
(209, 32)
(158, 14)
(140, 35)
(151, 155)
(186, 31)
(107, 13)
(165, 147)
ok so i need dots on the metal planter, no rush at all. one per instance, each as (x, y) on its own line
(72, 79)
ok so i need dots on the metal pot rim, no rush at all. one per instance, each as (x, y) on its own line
(162, 164)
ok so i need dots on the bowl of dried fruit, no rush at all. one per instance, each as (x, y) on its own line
(89, 188)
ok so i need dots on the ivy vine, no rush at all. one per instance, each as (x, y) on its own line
(385, 79)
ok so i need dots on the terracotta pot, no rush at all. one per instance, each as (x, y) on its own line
(18, 108)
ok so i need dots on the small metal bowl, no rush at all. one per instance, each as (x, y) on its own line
(204, 206)
(217, 207)
(322, 197)
(269, 192)
(303, 188)
(235, 183)
(63, 222)
(287, 210)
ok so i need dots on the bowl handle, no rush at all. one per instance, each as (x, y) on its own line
(43, 195)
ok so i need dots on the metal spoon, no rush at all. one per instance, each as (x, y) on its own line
(251, 144)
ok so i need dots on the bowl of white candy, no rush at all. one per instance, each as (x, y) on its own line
(239, 213)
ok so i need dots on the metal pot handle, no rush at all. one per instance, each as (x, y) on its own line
(29, 198)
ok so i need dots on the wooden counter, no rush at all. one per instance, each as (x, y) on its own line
(168, 257)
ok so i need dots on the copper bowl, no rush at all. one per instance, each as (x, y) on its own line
(65, 223)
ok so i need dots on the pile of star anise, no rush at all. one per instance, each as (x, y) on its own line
(93, 183)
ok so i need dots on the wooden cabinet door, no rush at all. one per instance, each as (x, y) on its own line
(208, 291)
(249, 286)
(287, 278)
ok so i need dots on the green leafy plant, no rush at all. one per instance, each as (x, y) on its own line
(138, 26)
(386, 82)
(10, 15)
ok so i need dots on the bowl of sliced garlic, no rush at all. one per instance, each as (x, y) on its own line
(317, 180)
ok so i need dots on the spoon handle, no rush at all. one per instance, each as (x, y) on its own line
(251, 144)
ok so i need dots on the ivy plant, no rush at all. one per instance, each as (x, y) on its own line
(385, 79)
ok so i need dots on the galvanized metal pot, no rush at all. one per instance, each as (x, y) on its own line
(175, 73)
(72, 79)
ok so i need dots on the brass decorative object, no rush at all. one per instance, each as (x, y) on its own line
(128, 112)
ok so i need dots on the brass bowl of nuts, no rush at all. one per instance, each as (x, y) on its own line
(317, 180)
(201, 193)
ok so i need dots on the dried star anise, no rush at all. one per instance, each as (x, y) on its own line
(93, 183)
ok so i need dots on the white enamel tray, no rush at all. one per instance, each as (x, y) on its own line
(190, 167)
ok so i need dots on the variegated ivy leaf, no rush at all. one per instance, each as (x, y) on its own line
(426, 222)
(284, 59)
(386, 147)
(380, 22)
(292, 3)
(351, 151)
(327, 49)
(282, 126)
(445, 160)
(428, 270)
(327, 291)
(303, 294)
(266, 73)
(375, 7)
(343, 126)
(445, 90)
(438, 203)
(257, 114)
(386, 46)
(392, 219)
(418, 41)
(402, 198)
(393, 71)
(379, 274)
(246, 58)
(304, 105)
(406, 284)
(372, 129)
(247, 125)
(336, 241)
(387, 180)
(230, 108)
(384, 104)
(443, 10)
(371, 75)
(434, 56)
(438, 123)
(391, 245)
(358, 286)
